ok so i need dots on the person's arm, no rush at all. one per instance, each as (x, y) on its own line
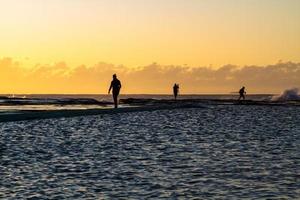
(110, 88)
(120, 85)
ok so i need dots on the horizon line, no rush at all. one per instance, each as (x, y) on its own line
(165, 94)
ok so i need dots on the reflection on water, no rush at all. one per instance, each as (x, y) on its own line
(214, 153)
(7, 109)
(83, 102)
(105, 97)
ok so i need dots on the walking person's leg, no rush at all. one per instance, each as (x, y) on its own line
(115, 96)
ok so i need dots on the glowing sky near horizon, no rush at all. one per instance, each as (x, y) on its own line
(139, 32)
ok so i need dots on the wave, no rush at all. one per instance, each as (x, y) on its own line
(288, 95)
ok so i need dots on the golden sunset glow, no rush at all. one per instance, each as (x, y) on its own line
(54, 38)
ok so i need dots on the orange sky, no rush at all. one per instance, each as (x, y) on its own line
(136, 33)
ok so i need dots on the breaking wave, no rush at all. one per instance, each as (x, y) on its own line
(288, 95)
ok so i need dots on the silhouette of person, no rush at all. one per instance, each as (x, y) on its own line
(175, 90)
(115, 86)
(242, 93)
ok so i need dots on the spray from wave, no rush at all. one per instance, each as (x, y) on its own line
(288, 95)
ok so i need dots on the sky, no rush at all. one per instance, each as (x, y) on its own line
(131, 35)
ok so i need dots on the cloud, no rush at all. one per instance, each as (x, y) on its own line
(154, 78)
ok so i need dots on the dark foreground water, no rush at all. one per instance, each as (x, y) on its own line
(221, 152)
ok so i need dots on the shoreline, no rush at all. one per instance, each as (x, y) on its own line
(49, 114)
(132, 105)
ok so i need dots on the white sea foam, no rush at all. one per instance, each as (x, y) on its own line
(288, 95)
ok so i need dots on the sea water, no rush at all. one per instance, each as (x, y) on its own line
(106, 97)
(216, 152)
(73, 102)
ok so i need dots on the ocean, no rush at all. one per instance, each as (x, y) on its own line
(12, 103)
(214, 152)
(107, 97)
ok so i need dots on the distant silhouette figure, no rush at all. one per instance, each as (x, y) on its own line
(115, 86)
(242, 93)
(175, 90)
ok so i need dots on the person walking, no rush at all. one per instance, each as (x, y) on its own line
(242, 93)
(115, 86)
(175, 90)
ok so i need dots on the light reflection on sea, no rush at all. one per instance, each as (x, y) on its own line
(6, 109)
(74, 102)
(220, 152)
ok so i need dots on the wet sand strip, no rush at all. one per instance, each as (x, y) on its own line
(47, 114)
(133, 101)
(134, 105)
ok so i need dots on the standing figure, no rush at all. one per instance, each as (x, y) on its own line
(115, 86)
(242, 93)
(175, 90)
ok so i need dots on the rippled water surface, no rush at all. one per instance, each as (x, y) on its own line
(221, 152)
